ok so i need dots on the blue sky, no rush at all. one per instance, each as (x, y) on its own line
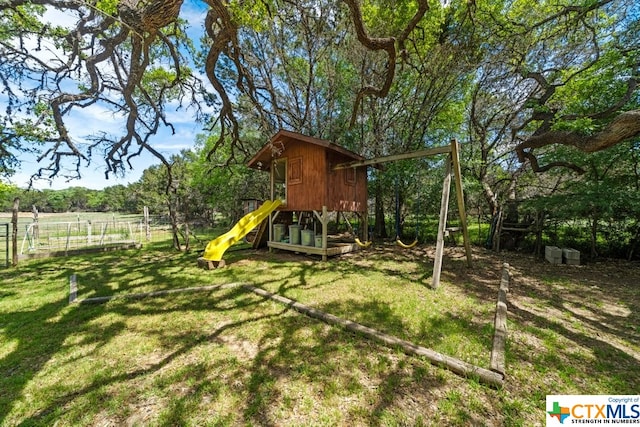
(95, 119)
(93, 175)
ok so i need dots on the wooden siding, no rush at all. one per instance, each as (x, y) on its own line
(346, 188)
(311, 181)
(262, 159)
(306, 188)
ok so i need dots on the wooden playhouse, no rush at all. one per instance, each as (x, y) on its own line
(303, 175)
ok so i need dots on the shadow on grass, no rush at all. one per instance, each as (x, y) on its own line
(293, 356)
(43, 415)
(39, 334)
(229, 357)
(580, 322)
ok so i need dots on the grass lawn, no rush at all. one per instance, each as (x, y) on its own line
(230, 357)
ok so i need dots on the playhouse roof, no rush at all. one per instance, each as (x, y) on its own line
(279, 142)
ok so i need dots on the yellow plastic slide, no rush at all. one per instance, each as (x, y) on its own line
(217, 247)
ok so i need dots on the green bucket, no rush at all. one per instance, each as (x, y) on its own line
(294, 234)
(278, 232)
(307, 237)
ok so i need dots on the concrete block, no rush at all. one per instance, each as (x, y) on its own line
(553, 254)
(570, 256)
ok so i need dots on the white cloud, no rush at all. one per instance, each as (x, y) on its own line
(194, 12)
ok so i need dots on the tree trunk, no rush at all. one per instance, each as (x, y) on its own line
(173, 217)
(634, 242)
(380, 226)
(594, 237)
(490, 197)
(187, 243)
(539, 230)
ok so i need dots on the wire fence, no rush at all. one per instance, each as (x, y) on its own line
(68, 236)
(74, 234)
(5, 238)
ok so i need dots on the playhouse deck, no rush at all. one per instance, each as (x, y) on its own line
(333, 248)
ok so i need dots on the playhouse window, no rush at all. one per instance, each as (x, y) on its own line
(350, 176)
(295, 171)
(280, 180)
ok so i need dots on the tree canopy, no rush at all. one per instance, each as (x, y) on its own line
(537, 73)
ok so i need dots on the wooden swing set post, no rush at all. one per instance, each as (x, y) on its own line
(457, 173)
(442, 224)
(453, 165)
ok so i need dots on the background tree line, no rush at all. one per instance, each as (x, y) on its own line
(597, 212)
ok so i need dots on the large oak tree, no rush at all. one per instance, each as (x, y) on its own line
(133, 58)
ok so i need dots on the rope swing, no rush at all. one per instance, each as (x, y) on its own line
(399, 242)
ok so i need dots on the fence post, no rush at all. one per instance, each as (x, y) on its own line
(147, 228)
(36, 231)
(66, 249)
(14, 235)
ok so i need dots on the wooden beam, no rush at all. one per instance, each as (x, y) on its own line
(272, 192)
(455, 156)
(333, 249)
(73, 288)
(105, 299)
(500, 324)
(458, 366)
(385, 159)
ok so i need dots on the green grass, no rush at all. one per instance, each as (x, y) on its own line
(230, 357)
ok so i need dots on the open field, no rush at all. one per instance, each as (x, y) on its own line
(230, 357)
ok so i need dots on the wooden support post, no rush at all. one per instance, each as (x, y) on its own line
(73, 288)
(325, 232)
(455, 156)
(442, 224)
(500, 324)
(272, 190)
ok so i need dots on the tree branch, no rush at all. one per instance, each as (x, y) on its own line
(388, 44)
(623, 128)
